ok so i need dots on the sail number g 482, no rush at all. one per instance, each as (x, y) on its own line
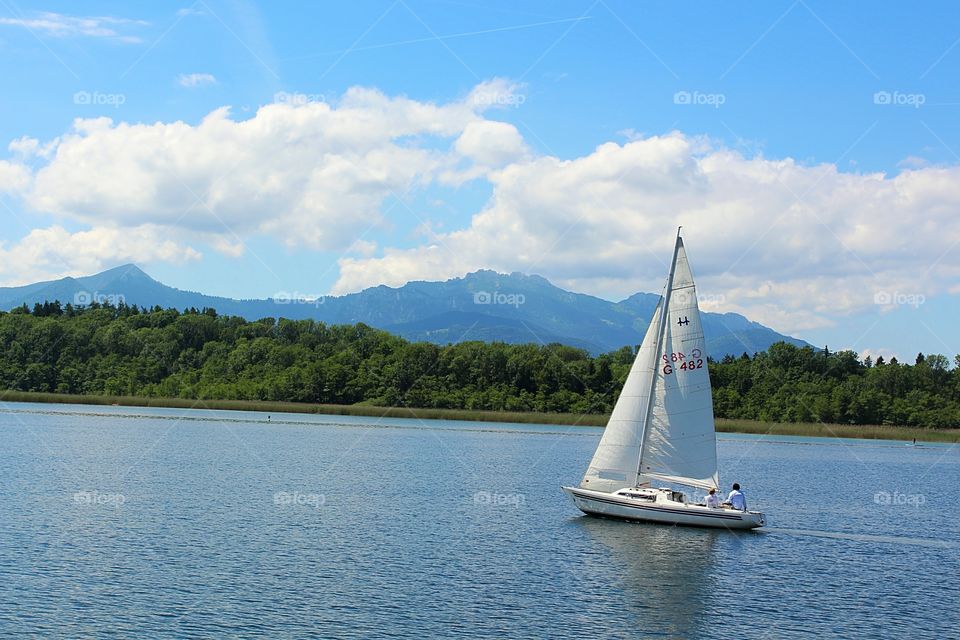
(681, 361)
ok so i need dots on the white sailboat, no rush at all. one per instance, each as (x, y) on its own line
(661, 431)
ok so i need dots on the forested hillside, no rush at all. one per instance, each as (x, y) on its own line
(198, 354)
(483, 305)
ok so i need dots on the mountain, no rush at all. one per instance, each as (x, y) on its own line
(483, 305)
(458, 326)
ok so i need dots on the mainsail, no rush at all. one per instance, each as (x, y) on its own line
(680, 444)
(672, 438)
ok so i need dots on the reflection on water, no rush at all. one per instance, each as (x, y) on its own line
(192, 524)
(666, 571)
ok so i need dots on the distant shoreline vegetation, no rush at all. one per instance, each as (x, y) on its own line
(164, 357)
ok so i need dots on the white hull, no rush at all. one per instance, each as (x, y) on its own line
(660, 509)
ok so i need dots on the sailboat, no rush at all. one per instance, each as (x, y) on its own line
(661, 432)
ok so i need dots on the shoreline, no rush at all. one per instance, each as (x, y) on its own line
(723, 425)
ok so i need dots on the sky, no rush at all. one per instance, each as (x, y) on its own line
(808, 149)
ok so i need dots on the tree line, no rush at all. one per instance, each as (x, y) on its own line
(104, 349)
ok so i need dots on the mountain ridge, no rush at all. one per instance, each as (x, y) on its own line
(482, 305)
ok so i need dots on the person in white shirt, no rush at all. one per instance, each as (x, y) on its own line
(713, 500)
(736, 499)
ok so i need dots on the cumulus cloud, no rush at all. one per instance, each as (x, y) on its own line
(14, 177)
(54, 252)
(191, 80)
(27, 147)
(491, 143)
(312, 174)
(483, 146)
(790, 245)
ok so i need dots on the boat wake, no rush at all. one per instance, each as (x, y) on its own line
(864, 537)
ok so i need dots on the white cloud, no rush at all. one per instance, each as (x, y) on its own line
(309, 173)
(191, 80)
(14, 177)
(54, 252)
(497, 93)
(789, 245)
(60, 25)
(631, 134)
(491, 144)
(365, 248)
(228, 247)
(913, 162)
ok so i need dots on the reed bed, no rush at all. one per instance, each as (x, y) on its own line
(873, 432)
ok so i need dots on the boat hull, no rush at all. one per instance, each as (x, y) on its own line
(609, 505)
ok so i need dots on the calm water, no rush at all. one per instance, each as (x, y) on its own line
(124, 522)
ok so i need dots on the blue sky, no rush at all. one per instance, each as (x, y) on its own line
(809, 148)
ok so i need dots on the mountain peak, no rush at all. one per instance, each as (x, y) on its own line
(125, 273)
(514, 276)
(128, 282)
(482, 305)
(129, 270)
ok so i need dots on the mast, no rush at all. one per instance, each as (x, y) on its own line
(660, 335)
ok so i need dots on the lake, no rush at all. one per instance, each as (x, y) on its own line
(172, 523)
